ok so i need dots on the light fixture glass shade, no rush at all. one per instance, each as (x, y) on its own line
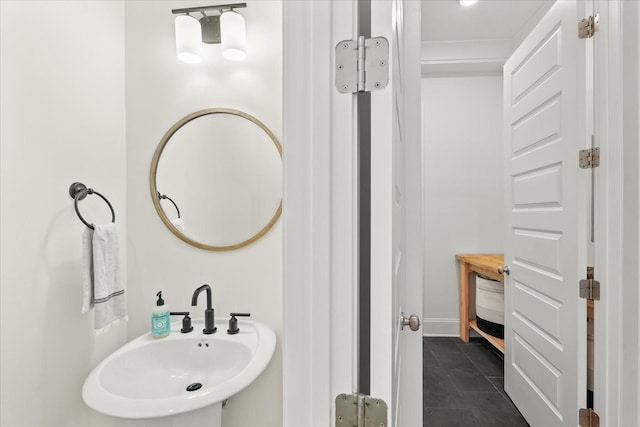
(467, 2)
(233, 35)
(188, 39)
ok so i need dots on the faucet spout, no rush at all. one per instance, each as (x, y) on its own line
(194, 298)
(209, 323)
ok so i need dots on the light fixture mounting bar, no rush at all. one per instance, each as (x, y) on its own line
(220, 8)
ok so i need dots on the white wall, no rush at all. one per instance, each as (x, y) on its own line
(462, 136)
(160, 91)
(62, 120)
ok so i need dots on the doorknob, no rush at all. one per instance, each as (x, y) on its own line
(504, 269)
(413, 322)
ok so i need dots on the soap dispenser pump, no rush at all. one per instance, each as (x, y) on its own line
(160, 318)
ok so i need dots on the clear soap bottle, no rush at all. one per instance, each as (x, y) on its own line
(160, 318)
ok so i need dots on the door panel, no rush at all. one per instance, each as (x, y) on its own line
(544, 110)
(396, 216)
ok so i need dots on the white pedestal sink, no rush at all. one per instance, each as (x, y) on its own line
(182, 379)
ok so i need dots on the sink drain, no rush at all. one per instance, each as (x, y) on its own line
(194, 387)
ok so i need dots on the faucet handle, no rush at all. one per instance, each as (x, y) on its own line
(186, 321)
(233, 322)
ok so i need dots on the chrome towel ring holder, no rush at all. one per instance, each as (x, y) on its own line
(78, 191)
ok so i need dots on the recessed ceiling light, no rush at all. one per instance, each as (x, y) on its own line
(467, 2)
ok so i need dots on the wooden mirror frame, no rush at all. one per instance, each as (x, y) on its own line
(154, 169)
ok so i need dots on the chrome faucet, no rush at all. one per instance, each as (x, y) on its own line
(209, 326)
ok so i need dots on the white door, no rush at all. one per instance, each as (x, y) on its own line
(396, 216)
(545, 248)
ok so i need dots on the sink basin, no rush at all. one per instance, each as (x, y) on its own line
(152, 378)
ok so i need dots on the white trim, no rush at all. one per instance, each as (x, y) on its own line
(637, 26)
(382, 326)
(437, 327)
(344, 216)
(465, 50)
(318, 215)
(299, 365)
(617, 235)
(464, 57)
(629, 351)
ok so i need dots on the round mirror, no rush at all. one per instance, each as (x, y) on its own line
(216, 179)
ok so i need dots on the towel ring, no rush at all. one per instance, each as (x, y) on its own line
(164, 196)
(78, 191)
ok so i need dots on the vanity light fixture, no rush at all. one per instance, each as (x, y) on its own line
(227, 28)
(234, 39)
(188, 39)
(467, 2)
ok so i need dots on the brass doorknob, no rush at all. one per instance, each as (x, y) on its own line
(413, 322)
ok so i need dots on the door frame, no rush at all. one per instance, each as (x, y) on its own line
(617, 184)
(319, 215)
(318, 359)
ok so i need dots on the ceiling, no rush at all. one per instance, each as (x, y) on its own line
(444, 20)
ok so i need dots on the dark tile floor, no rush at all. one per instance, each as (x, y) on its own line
(464, 385)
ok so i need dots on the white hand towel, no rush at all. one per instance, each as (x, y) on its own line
(108, 288)
(87, 270)
(177, 223)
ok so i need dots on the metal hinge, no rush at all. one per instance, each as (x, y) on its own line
(589, 287)
(362, 65)
(590, 158)
(358, 410)
(588, 418)
(589, 26)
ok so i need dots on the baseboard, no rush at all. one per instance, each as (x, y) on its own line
(437, 327)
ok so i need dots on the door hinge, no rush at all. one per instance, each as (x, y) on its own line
(590, 158)
(588, 418)
(589, 287)
(589, 26)
(362, 65)
(359, 410)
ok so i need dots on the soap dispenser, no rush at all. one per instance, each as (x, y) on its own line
(160, 318)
